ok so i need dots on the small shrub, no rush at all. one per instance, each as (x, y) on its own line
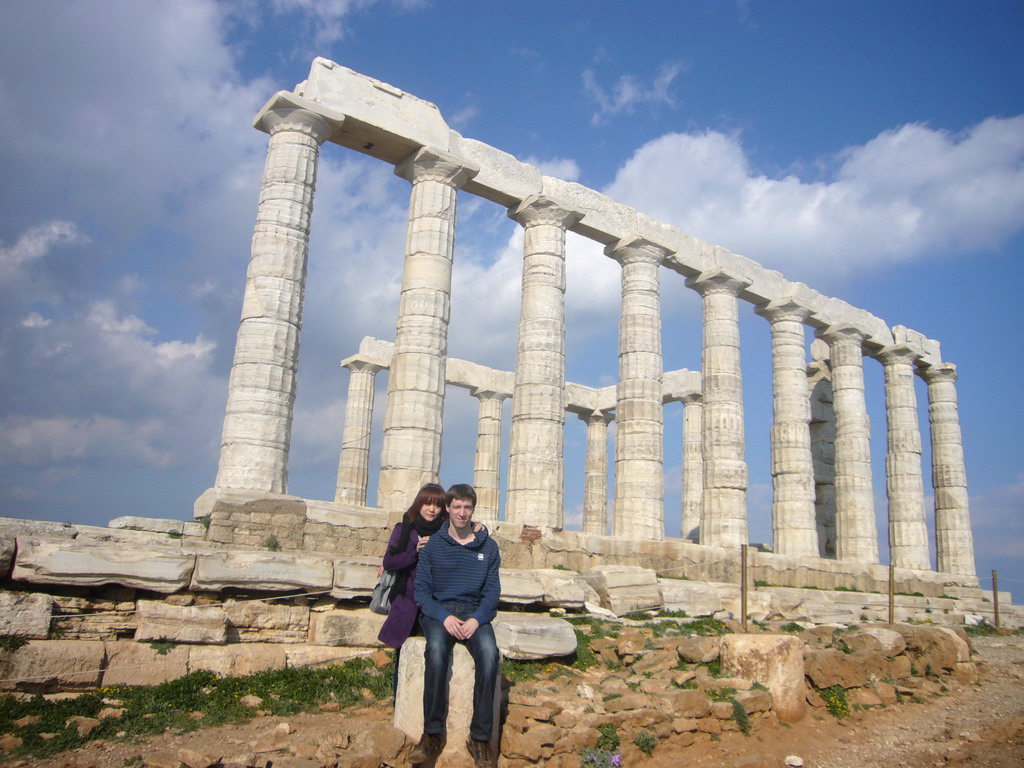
(646, 742)
(519, 671)
(673, 614)
(600, 758)
(204, 520)
(163, 647)
(609, 738)
(272, 543)
(11, 643)
(739, 714)
(175, 534)
(791, 627)
(836, 701)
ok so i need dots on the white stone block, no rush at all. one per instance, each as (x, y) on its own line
(696, 598)
(348, 628)
(52, 665)
(182, 624)
(263, 571)
(65, 561)
(26, 614)
(522, 636)
(154, 525)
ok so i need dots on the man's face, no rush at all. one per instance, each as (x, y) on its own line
(461, 511)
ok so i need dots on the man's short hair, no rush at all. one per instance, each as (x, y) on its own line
(463, 492)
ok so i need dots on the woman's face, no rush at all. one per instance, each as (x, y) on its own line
(430, 511)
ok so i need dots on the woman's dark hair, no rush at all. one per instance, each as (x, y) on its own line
(431, 493)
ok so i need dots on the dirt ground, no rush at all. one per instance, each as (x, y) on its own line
(972, 724)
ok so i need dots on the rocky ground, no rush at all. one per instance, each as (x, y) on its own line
(970, 724)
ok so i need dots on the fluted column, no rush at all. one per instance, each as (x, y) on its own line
(823, 448)
(411, 453)
(793, 515)
(261, 389)
(693, 464)
(908, 531)
(354, 461)
(954, 540)
(535, 473)
(639, 511)
(487, 464)
(595, 478)
(856, 530)
(724, 511)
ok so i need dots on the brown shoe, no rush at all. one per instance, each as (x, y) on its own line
(429, 747)
(480, 751)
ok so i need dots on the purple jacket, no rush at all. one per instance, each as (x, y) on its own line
(402, 616)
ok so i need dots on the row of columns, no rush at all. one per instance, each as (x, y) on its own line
(261, 390)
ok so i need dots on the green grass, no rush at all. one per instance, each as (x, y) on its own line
(836, 701)
(154, 709)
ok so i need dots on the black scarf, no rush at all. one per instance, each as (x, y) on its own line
(423, 528)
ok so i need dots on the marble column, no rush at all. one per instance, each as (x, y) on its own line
(823, 449)
(724, 509)
(793, 513)
(535, 472)
(411, 454)
(487, 464)
(639, 511)
(693, 464)
(908, 531)
(354, 461)
(954, 540)
(595, 478)
(261, 389)
(856, 530)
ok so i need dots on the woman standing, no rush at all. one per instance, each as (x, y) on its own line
(422, 520)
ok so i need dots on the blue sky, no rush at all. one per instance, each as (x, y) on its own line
(874, 150)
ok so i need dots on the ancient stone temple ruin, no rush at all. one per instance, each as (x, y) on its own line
(823, 506)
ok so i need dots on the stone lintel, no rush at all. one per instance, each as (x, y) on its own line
(929, 349)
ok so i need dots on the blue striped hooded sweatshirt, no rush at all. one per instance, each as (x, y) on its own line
(449, 572)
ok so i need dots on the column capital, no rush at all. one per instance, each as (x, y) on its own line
(717, 280)
(596, 417)
(898, 353)
(296, 119)
(539, 209)
(934, 374)
(429, 164)
(843, 332)
(358, 364)
(637, 250)
(786, 308)
(489, 394)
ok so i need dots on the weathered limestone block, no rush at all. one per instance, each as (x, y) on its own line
(827, 667)
(699, 650)
(756, 701)
(810, 605)
(521, 636)
(687, 703)
(52, 665)
(64, 561)
(564, 589)
(625, 588)
(351, 628)
(355, 576)
(158, 620)
(932, 648)
(154, 525)
(885, 641)
(775, 661)
(963, 646)
(267, 622)
(409, 701)
(520, 587)
(131, 663)
(696, 598)
(6, 555)
(237, 660)
(262, 571)
(321, 655)
(26, 614)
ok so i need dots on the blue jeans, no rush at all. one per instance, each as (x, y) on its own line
(437, 658)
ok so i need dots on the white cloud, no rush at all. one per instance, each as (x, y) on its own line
(908, 193)
(560, 167)
(628, 92)
(35, 244)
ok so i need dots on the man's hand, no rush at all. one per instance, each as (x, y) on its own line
(469, 626)
(454, 627)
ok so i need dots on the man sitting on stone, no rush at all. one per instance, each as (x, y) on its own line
(457, 589)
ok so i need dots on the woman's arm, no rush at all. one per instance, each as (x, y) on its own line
(400, 561)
